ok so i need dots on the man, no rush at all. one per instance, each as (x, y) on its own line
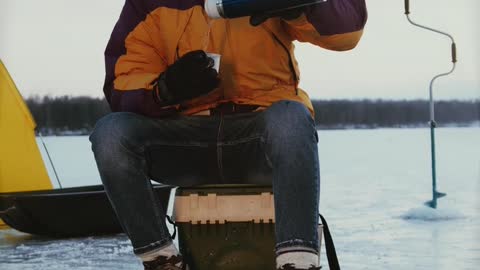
(178, 122)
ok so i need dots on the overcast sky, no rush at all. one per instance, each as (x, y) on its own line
(56, 47)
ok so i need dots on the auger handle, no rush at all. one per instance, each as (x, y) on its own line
(454, 51)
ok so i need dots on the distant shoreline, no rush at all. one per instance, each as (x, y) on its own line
(72, 116)
(84, 132)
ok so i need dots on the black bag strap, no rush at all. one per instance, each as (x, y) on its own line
(170, 220)
(329, 246)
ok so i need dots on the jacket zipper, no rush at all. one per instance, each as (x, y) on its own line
(290, 60)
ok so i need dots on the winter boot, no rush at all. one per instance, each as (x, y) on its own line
(164, 263)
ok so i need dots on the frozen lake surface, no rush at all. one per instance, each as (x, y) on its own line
(374, 184)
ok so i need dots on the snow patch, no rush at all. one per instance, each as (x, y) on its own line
(425, 213)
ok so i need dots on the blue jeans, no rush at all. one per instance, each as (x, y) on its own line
(276, 146)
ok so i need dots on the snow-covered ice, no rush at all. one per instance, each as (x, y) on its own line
(374, 184)
(425, 213)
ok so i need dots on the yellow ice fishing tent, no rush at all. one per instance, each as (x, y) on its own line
(21, 165)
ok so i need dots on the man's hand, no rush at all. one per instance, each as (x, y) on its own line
(190, 76)
(290, 14)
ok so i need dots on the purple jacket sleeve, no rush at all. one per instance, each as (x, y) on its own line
(335, 24)
(135, 100)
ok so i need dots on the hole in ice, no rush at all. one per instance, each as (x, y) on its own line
(429, 214)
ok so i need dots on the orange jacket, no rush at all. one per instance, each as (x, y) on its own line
(257, 67)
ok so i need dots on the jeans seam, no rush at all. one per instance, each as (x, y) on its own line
(163, 143)
(151, 246)
(240, 141)
(129, 149)
(317, 169)
(267, 158)
(157, 212)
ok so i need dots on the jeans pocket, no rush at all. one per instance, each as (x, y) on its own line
(183, 165)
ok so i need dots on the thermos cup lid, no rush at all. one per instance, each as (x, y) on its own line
(212, 9)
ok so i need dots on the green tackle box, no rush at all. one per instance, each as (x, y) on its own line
(229, 227)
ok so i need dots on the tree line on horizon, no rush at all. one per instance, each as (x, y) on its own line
(78, 115)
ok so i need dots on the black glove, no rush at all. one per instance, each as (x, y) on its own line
(289, 14)
(190, 76)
